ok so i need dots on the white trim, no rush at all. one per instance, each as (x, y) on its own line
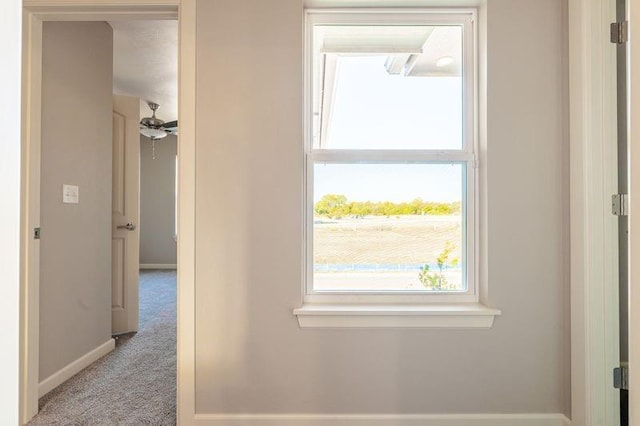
(633, 106)
(321, 5)
(464, 156)
(432, 309)
(186, 351)
(100, 10)
(396, 316)
(381, 4)
(30, 215)
(74, 367)
(381, 420)
(10, 217)
(390, 298)
(421, 15)
(594, 305)
(158, 266)
(381, 156)
(34, 12)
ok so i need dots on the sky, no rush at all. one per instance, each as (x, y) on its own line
(374, 110)
(389, 182)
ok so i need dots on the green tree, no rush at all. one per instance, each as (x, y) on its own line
(337, 206)
(330, 205)
(436, 280)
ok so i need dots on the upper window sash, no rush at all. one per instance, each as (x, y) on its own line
(420, 17)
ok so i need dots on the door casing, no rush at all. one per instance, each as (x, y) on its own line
(35, 12)
(594, 240)
(633, 105)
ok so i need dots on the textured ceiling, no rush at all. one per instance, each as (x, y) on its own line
(145, 64)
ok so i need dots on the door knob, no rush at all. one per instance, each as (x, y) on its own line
(129, 226)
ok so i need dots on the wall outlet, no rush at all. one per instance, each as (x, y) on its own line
(70, 194)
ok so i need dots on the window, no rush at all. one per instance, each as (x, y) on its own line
(390, 161)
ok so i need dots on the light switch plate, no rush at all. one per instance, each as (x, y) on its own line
(70, 194)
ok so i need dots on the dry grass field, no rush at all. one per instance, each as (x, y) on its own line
(400, 240)
(380, 253)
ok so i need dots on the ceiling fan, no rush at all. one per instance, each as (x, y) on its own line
(154, 128)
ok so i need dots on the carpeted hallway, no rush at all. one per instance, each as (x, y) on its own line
(136, 383)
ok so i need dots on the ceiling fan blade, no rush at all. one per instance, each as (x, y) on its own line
(171, 127)
(170, 124)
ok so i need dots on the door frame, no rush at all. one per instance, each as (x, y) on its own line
(633, 54)
(35, 12)
(593, 229)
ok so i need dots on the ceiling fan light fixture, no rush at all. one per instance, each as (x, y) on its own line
(151, 121)
(154, 128)
(153, 133)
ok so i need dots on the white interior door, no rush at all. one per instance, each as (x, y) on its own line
(125, 214)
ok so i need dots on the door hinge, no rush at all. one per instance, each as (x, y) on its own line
(620, 204)
(36, 233)
(619, 32)
(621, 378)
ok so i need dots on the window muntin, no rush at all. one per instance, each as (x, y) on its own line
(369, 133)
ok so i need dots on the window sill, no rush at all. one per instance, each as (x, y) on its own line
(462, 315)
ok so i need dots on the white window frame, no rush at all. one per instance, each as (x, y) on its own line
(397, 308)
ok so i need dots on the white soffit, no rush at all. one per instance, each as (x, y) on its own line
(442, 54)
(416, 51)
(372, 39)
(145, 64)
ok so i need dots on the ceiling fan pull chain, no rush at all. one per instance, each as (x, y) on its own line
(153, 149)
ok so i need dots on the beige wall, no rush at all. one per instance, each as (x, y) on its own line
(528, 203)
(75, 264)
(157, 201)
(251, 355)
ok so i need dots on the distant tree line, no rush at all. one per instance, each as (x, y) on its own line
(336, 206)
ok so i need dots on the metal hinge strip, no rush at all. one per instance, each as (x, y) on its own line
(620, 204)
(621, 378)
(619, 32)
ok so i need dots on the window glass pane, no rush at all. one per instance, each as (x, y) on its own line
(387, 87)
(388, 227)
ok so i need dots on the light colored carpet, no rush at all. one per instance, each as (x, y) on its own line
(135, 384)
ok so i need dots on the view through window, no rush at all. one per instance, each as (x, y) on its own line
(389, 163)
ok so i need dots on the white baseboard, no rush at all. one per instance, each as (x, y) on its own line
(67, 372)
(158, 266)
(381, 420)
